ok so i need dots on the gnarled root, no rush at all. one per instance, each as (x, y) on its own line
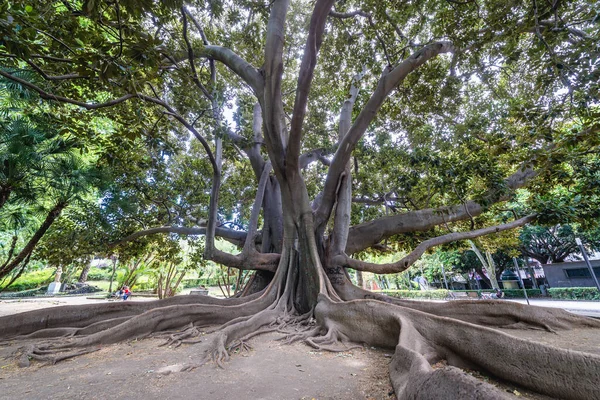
(50, 354)
(126, 328)
(176, 339)
(81, 316)
(421, 339)
(491, 313)
(70, 332)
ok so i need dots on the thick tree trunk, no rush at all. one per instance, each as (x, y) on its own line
(84, 273)
(359, 279)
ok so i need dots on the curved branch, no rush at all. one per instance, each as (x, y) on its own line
(366, 235)
(388, 81)
(414, 255)
(258, 201)
(94, 106)
(313, 155)
(50, 96)
(54, 77)
(237, 64)
(191, 56)
(252, 261)
(235, 237)
(305, 77)
(272, 103)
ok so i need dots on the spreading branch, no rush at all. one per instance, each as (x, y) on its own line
(405, 262)
(314, 155)
(191, 56)
(305, 77)
(242, 68)
(94, 106)
(365, 235)
(235, 237)
(389, 80)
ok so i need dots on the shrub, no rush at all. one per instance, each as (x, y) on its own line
(575, 293)
(518, 293)
(99, 274)
(439, 294)
(32, 280)
(144, 286)
(508, 293)
(192, 283)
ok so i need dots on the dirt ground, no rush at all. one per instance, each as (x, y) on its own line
(271, 370)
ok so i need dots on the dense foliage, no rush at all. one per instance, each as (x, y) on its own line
(456, 128)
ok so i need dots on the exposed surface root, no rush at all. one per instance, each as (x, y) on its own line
(70, 332)
(421, 339)
(81, 316)
(240, 347)
(420, 332)
(176, 339)
(155, 320)
(49, 354)
(491, 313)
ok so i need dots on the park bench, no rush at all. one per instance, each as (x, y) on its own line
(462, 296)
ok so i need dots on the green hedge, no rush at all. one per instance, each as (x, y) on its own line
(575, 293)
(144, 286)
(518, 293)
(439, 294)
(32, 280)
(508, 293)
(192, 283)
(442, 294)
(99, 274)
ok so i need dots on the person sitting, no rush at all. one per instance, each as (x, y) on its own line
(125, 292)
(498, 294)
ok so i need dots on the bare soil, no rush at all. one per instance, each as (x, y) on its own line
(271, 370)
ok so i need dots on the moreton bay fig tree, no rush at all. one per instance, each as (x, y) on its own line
(355, 126)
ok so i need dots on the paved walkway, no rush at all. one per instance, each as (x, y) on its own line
(14, 306)
(589, 308)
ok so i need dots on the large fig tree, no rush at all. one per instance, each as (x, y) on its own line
(359, 125)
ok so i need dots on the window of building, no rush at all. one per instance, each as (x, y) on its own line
(581, 272)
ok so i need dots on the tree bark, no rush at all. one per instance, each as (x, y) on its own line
(112, 276)
(84, 273)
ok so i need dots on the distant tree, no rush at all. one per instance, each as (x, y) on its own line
(556, 243)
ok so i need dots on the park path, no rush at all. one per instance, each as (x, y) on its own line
(587, 308)
(15, 306)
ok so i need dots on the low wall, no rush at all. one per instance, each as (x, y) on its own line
(571, 274)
